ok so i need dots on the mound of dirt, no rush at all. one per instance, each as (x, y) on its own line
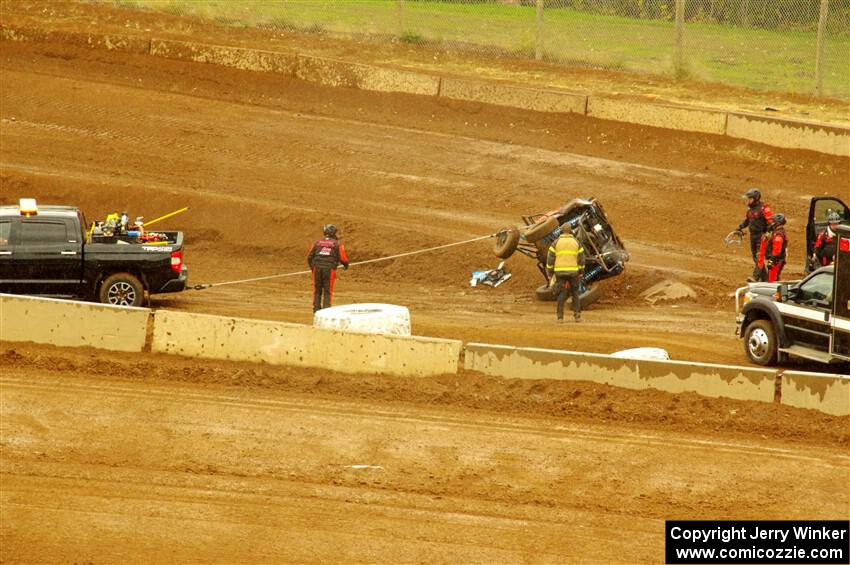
(668, 291)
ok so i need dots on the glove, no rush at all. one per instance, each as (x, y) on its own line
(769, 263)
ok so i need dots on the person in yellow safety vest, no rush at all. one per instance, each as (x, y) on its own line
(565, 266)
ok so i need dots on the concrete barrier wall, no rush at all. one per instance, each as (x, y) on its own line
(657, 115)
(327, 72)
(110, 42)
(236, 57)
(540, 100)
(670, 376)
(331, 72)
(825, 393)
(72, 324)
(790, 134)
(276, 343)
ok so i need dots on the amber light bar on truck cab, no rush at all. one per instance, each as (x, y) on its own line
(28, 207)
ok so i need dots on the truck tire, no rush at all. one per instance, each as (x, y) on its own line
(760, 343)
(122, 289)
(387, 319)
(506, 242)
(538, 231)
(586, 298)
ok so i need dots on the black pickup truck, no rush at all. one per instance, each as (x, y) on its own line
(809, 319)
(46, 250)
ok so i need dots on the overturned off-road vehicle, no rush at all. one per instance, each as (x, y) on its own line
(605, 255)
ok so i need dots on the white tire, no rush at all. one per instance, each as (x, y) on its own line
(368, 318)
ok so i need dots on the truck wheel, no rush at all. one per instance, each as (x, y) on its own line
(506, 242)
(122, 289)
(760, 342)
(538, 231)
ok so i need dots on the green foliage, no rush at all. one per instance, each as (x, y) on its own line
(412, 38)
(762, 44)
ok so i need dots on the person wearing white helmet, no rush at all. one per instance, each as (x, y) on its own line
(827, 241)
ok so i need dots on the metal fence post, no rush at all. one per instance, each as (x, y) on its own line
(680, 32)
(538, 44)
(824, 9)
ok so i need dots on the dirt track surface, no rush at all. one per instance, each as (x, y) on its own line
(263, 162)
(150, 458)
(244, 463)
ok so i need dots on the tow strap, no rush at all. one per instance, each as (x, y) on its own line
(295, 273)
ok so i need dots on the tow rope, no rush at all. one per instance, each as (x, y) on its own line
(241, 281)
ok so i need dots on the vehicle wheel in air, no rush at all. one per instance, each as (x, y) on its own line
(122, 289)
(760, 342)
(540, 230)
(506, 242)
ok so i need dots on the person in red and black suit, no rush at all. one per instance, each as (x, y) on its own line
(827, 241)
(324, 258)
(759, 217)
(773, 250)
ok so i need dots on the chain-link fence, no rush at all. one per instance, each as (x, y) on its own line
(799, 46)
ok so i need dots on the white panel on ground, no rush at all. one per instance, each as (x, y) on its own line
(369, 318)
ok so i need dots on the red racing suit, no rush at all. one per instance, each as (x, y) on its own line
(324, 257)
(825, 247)
(772, 254)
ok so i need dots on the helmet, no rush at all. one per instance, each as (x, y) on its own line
(779, 220)
(753, 193)
(833, 217)
(329, 230)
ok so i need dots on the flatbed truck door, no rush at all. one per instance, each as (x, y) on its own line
(841, 300)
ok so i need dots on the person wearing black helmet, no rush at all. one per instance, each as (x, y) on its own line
(324, 258)
(827, 241)
(758, 218)
(772, 251)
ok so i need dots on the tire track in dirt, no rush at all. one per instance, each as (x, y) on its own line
(561, 432)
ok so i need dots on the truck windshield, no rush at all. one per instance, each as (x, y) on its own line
(819, 288)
